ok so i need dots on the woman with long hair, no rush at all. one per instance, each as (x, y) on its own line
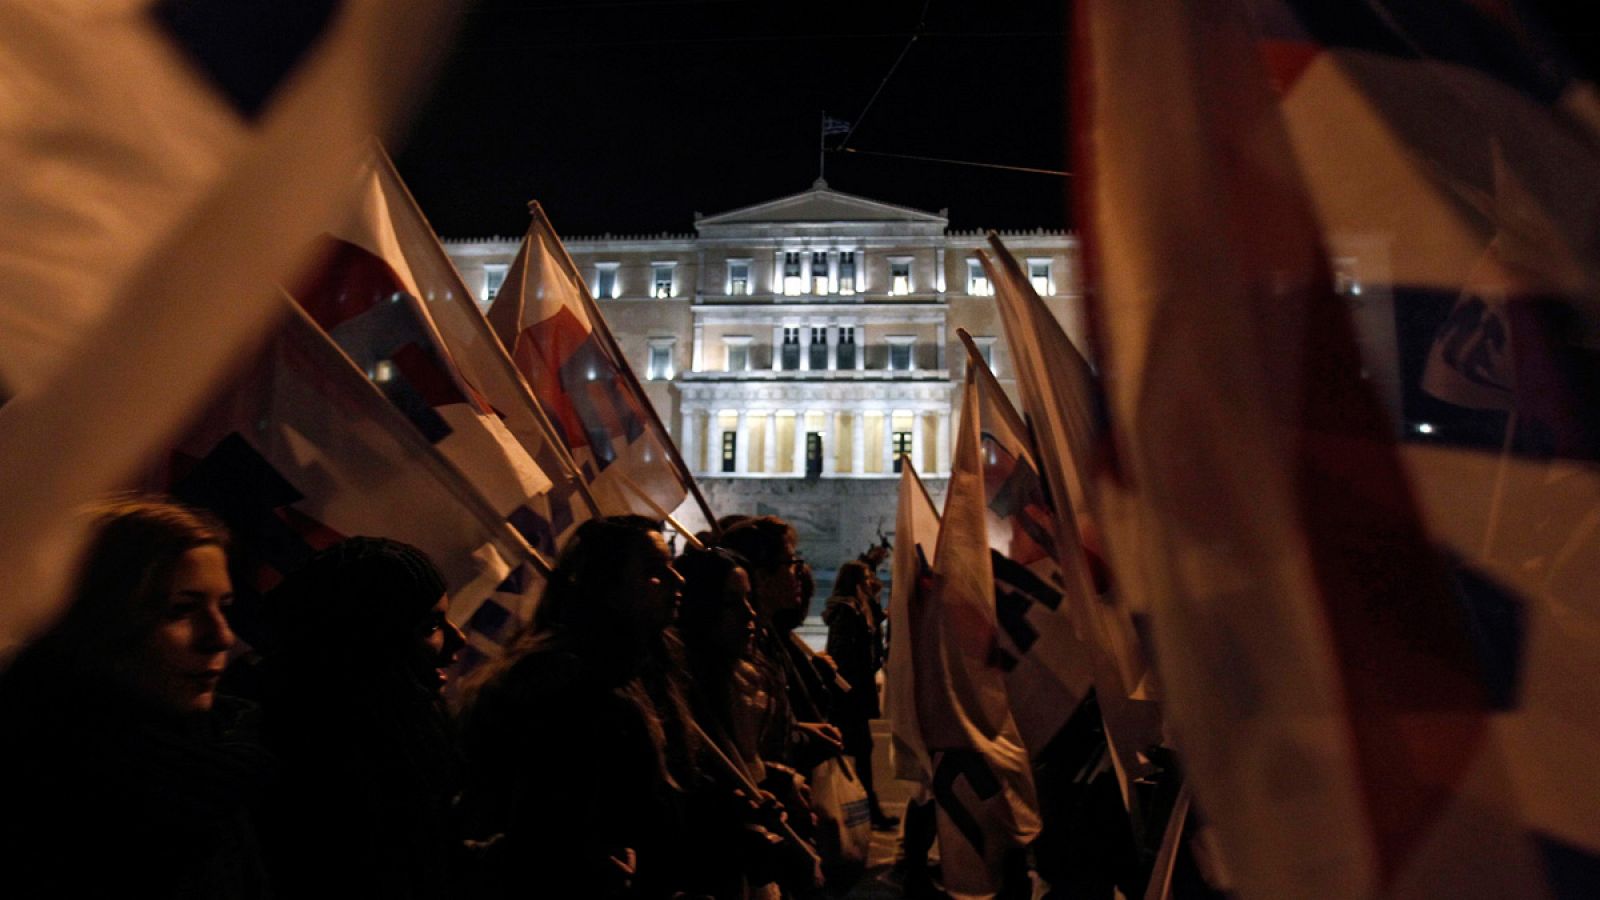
(751, 842)
(571, 756)
(126, 773)
(360, 643)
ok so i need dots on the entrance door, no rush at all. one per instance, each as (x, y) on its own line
(813, 454)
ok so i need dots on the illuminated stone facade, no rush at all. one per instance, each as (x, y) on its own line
(797, 346)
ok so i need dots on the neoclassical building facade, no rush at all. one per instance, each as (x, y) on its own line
(799, 346)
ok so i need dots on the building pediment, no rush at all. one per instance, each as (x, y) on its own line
(821, 204)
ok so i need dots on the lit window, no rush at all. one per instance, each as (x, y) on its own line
(738, 353)
(819, 273)
(605, 280)
(792, 282)
(847, 347)
(900, 277)
(660, 368)
(900, 353)
(494, 275)
(1039, 276)
(730, 451)
(902, 447)
(978, 280)
(847, 272)
(661, 279)
(739, 277)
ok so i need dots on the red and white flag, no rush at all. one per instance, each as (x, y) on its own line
(1450, 152)
(386, 294)
(300, 450)
(1058, 630)
(1047, 657)
(390, 220)
(544, 317)
(1330, 695)
(981, 776)
(916, 538)
(1060, 399)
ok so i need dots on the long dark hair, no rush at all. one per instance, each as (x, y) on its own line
(705, 599)
(584, 610)
(136, 543)
(852, 575)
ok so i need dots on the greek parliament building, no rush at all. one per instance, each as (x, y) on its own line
(797, 347)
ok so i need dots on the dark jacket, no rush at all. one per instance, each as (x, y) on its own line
(853, 644)
(104, 796)
(564, 776)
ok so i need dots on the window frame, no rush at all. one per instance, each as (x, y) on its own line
(895, 288)
(491, 286)
(664, 345)
(670, 267)
(602, 269)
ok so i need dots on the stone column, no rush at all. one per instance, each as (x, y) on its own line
(830, 433)
(777, 274)
(741, 446)
(777, 346)
(690, 440)
(769, 447)
(942, 438)
(916, 442)
(858, 442)
(833, 347)
(800, 431)
(697, 363)
(888, 442)
(805, 348)
(939, 349)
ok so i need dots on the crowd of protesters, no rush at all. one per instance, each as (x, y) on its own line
(648, 734)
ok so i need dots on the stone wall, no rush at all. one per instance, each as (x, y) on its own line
(837, 518)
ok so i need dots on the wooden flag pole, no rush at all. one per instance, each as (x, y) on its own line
(665, 516)
(1160, 886)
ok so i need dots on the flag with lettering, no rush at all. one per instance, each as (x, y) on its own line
(1060, 399)
(916, 538)
(159, 180)
(1046, 656)
(1060, 393)
(981, 777)
(1447, 149)
(1333, 680)
(391, 220)
(1053, 628)
(544, 317)
(365, 294)
(300, 450)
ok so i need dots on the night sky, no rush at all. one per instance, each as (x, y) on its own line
(628, 116)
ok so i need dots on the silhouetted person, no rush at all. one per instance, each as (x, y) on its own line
(570, 789)
(854, 646)
(353, 711)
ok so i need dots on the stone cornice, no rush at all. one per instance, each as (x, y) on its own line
(929, 396)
